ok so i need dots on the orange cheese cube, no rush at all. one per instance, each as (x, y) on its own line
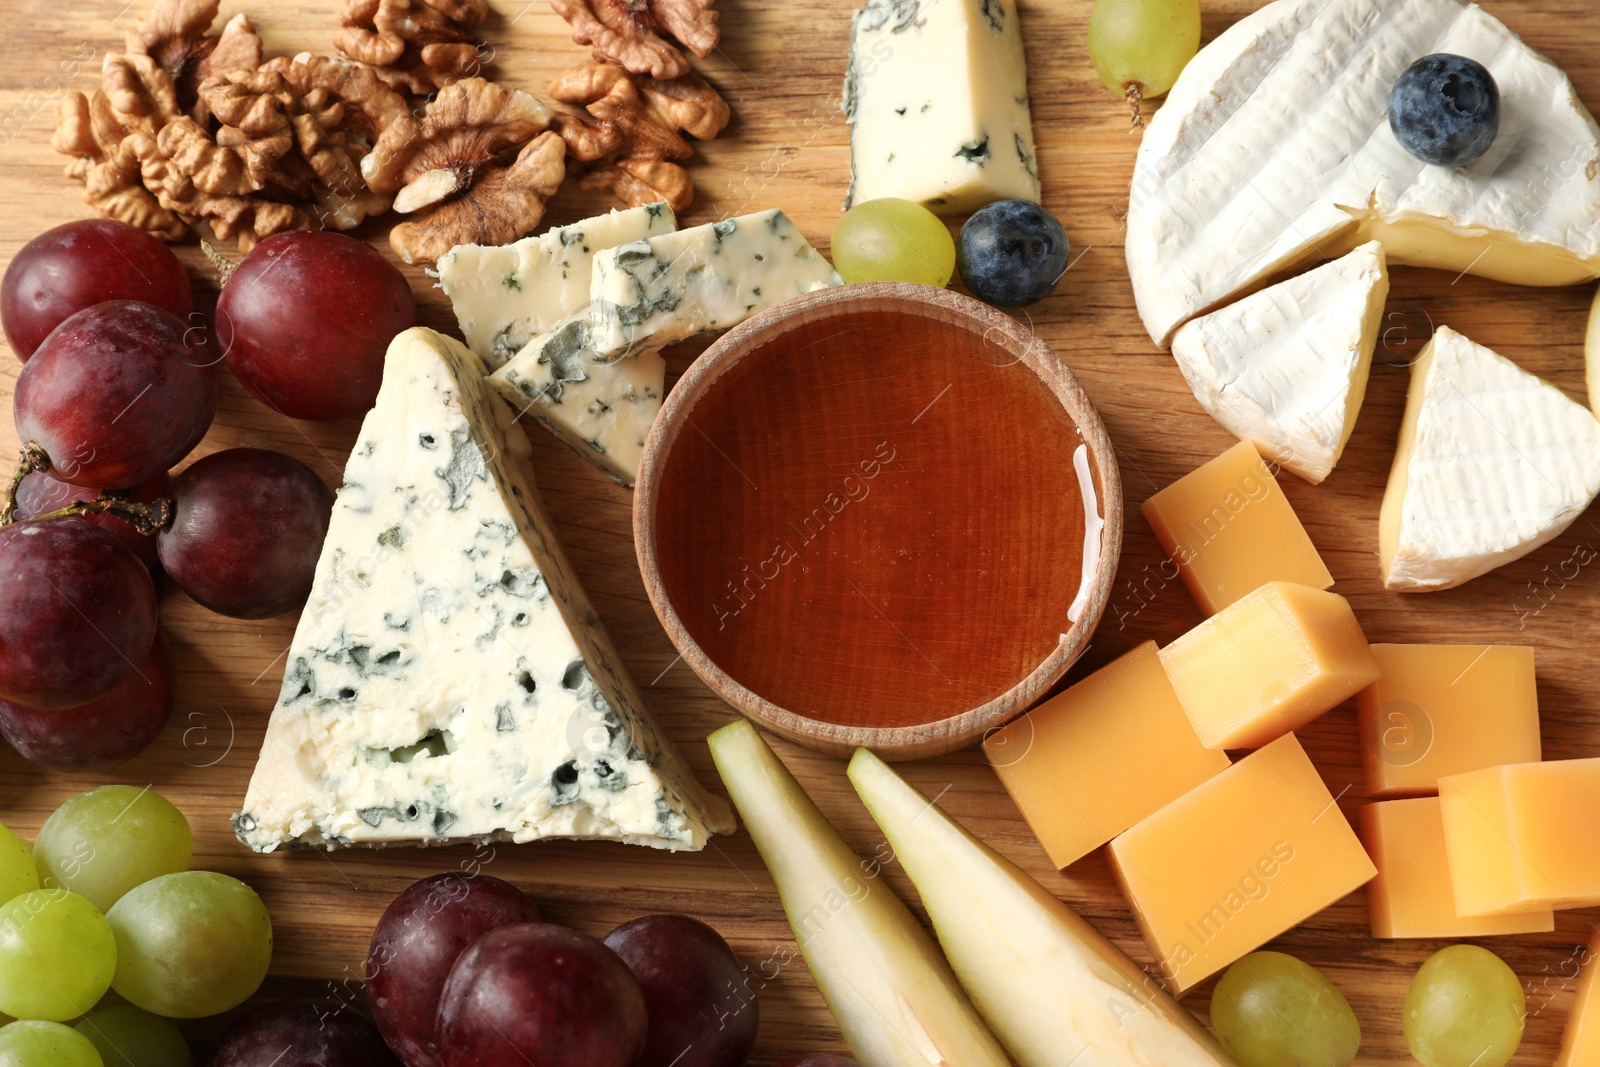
(1412, 895)
(1580, 1042)
(1269, 664)
(1439, 710)
(1230, 530)
(1245, 856)
(1089, 763)
(1523, 837)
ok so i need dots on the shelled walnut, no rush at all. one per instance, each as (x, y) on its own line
(177, 35)
(628, 134)
(636, 34)
(417, 46)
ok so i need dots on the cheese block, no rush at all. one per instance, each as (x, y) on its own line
(1286, 368)
(937, 97)
(671, 287)
(449, 680)
(505, 295)
(603, 406)
(1274, 149)
(1493, 462)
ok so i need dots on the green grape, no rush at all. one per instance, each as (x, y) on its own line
(57, 955)
(1272, 1010)
(190, 944)
(1139, 47)
(104, 842)
(130, 1037)
(34, 1044)
(893, 240)
(17, 873)
(1465, 1009)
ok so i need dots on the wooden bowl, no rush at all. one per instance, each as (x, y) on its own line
(861, 518)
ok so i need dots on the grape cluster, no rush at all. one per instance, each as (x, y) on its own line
(106, 902)
(119, 385)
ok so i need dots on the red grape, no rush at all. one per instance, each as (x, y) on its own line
(41, 493)
(119, 393)
(541, 993)
(103, 732)
(302, 1034)
(247, 528)
(701, 1012)
(77, 612)
(305, 321)
(81, 264)
(417, 941)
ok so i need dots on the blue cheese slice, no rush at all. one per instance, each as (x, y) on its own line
(449, 680)
(669, 288)
(505, 295)
(937, 96)
(603, 406)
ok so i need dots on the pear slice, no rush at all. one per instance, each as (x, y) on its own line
(893, 994)
(1055, 991)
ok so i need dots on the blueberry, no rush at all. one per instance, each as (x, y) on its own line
(1445, 109)
(1012, 252)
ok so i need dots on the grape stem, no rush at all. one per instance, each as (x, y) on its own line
(1135, 98)
(225, 266)
(149, 519)
(34, 459)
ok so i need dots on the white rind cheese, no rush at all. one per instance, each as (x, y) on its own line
(937, 96)
(448, 680)
(1493, 462)
(1287, 367)
(672, 287)
(505, 295)
(603, 406)
(1274, 148)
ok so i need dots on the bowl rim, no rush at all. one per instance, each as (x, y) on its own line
(747, 340)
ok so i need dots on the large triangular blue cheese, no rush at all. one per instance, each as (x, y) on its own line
(449, 680)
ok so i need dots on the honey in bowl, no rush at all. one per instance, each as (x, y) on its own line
(878, 520)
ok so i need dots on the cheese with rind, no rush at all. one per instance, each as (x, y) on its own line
(1274, 148)
(1286, 368)
(1492, 463)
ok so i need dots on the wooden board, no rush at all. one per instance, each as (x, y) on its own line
(780, 66)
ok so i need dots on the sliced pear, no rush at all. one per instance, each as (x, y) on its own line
(893, 994)
(1055, 991)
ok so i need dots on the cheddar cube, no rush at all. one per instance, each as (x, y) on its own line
(1242, 858)
(1089, 763)
(1438, 710)
(1523, 837)
(1580, 1042)
(1230, 530)
(1269, 664)
(1412, 895)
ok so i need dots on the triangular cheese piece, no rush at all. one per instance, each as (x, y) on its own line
(1493, 462)
(448, 680)
(1287, 367)
(1274, 149)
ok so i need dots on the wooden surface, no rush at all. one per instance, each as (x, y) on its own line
(916, 623)
(780, 65)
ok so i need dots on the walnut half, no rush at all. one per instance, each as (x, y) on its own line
(635, 34)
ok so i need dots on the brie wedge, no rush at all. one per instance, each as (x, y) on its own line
(1286, 368)
(449, 680)
(1493, 462)
(1274, 149)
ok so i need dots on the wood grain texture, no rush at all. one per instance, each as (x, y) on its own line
(781, 66)
(914, 624)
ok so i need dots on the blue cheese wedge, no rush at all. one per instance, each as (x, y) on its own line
(505, 295)
(937, 96)
(449, 680)
(669, 288)
(603, 406)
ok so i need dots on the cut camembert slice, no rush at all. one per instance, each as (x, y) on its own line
(449, 680)
(1493, 462)
(1274, 148)
(1286, 368)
